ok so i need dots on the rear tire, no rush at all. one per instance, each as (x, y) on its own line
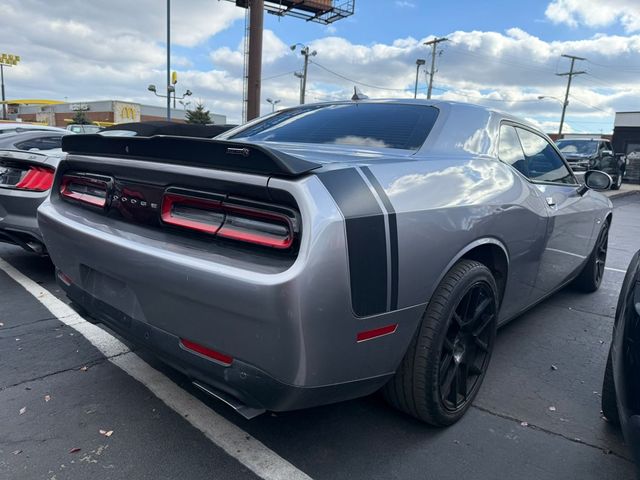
(609, 403)
(446, 362)
(591, 275)
(617, 181)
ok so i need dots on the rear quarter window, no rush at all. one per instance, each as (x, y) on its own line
(379, 125)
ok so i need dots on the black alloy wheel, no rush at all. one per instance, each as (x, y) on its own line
(467, 346)
(445, 364)
(601, 252)
(590, 277)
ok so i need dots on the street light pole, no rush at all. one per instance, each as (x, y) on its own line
(300, 76)
(6, 60)
(306, 53)
(419, 63)
(168, 59)
(4, 105)
(273, 104)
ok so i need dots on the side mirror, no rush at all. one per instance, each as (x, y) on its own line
(597, 180)
(607, 153)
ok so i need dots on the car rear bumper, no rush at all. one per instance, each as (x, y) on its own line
(18, 219)
(244, 382)
(290, 328)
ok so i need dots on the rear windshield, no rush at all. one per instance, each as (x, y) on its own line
(383, 125)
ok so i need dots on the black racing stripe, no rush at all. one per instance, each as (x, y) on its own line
(393, 234)
(366, 239)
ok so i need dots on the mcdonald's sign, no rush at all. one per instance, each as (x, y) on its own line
(126, 112)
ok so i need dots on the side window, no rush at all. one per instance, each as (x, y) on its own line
(543, 162)
(510, 150)
(607, 146)
(29, 144)
(49, 143)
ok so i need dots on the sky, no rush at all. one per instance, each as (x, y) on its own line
(502, 54)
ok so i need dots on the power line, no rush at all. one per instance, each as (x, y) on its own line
(504, 62)
(358, 82)
(279, 75)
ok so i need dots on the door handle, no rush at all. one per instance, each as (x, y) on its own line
(550, 201)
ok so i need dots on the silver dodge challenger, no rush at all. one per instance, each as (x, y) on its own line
(327, 251)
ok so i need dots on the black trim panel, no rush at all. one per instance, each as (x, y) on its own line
(366, 239)
(196, 152)
(393, 234)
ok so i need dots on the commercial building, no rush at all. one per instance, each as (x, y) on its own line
(107, 111)
(626, 139)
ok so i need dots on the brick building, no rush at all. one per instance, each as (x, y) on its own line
(111, 111)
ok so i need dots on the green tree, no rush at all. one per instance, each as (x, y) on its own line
(199, 115)
(80, 118)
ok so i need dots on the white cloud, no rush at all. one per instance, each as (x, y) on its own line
(595, 13)
(405, 4)
(85, 51)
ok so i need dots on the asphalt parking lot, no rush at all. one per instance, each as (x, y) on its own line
(77, 405)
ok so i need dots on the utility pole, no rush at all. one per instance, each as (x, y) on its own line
(306, 52)
(300, 75)
(419, 63)
(434, 43)
(168, 59)
(254, 73)
(570, 75)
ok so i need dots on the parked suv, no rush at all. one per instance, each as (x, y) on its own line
(593, 154)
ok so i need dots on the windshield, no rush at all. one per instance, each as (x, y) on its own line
(579, 147)
(382, 125)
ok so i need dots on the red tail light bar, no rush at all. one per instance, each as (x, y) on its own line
(207, 352)
(37, 179)
(227, 219)
(85, 189)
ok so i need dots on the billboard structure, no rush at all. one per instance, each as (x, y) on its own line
(319, 11)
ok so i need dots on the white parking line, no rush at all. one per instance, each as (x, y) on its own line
(234, 441)
(615, 269)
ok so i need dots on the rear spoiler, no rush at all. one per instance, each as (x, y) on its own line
(196, 152)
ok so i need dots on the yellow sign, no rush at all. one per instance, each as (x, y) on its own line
(174, 77)
(128, 113)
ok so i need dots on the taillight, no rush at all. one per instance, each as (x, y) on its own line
(37, 179)
(229, 218)
(85, 189)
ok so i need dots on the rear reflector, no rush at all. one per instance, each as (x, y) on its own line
(64, 278)
(216, 216)
(37, 179)
(378, 332)
(88, 190)
(207, 352)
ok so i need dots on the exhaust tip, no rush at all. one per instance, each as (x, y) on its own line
(244, 410)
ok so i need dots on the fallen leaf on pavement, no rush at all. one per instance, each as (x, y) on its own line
(106, 433)
(75, 450)
(22, 410)
(85, 368)
(524, 424)
(17, 452)
(47, 398)
(1, 324)
(553, 367)
(552, 408)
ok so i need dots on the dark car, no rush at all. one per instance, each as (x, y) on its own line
(621, 386)
(33, 141)
(25, 181)
(593, 154)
